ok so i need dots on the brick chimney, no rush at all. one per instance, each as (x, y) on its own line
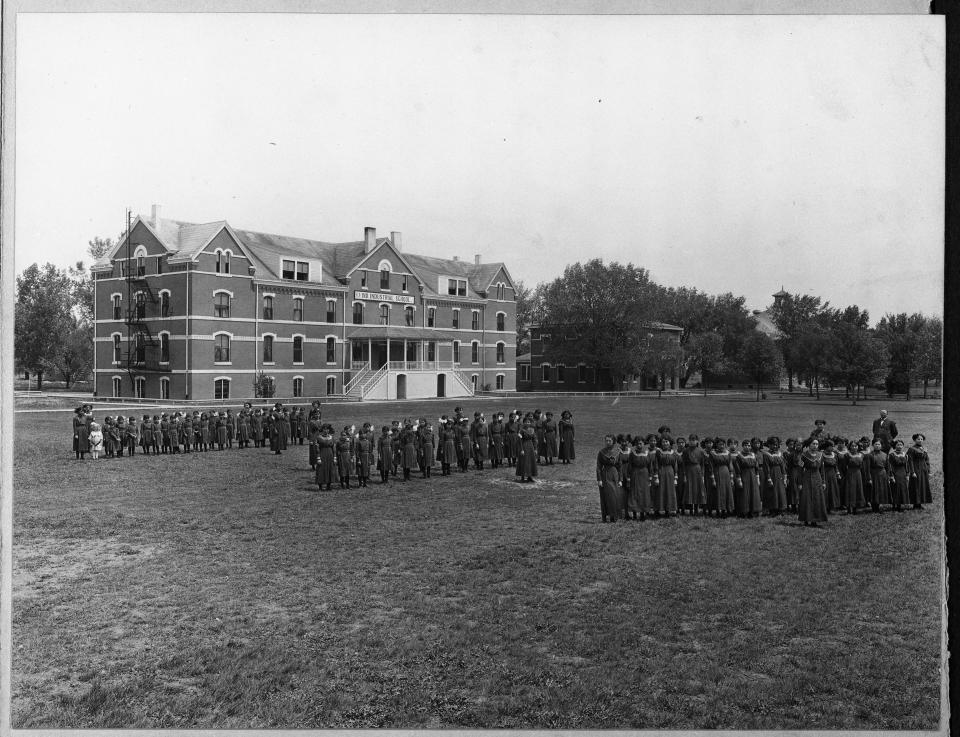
(370, 239)
(476, 259)
(155, 216)
(396, 240)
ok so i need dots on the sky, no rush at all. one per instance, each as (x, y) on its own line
(726, 153)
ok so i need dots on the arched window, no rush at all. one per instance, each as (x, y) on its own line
(384, 278)
(140, 385)
(331, 385)
(501, 321)
(475, 380)
(499, 381)
(268, 349)
(141, 256)
(384, 314)
(431, 316)
(501, 349)
(164, 347)
(116, 347)
(408, 314)
(456, 351)
(268, 308)
(475, 320)
(456, 318)
(298, 386)
(331, 350)
(141, 348)
(221, 348)
(164, 388)
(298, 349)
(221, 304)
(117, 310)
(116, 386)
(475, 352)
(164, 304)
(298, 309)
(501, 290)
(221, 388)
(223, 262)
(358, 313)
(141, 302)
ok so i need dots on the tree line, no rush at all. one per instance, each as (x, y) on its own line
(605, 315)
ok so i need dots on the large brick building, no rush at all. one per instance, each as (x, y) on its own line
(198, 311)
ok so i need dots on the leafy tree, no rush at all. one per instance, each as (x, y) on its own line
(264, 385)
(902, 335)
(42, 319)
(659, 354)
(760, 359)
(704, 352)
(813, 350)
(792, 316)
(860, 357)
(594, 311)
(74, 358)
(528, 301)
(929, 364)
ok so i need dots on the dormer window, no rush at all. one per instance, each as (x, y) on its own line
(457, 287)
(223, 262)
(295, 270)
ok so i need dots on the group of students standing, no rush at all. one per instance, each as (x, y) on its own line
(184, 432)
(519, 441)
(657, 475)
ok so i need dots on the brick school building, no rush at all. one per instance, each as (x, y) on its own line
(193, 311)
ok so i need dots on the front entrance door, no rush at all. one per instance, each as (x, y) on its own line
(401, 386)
(441, 385)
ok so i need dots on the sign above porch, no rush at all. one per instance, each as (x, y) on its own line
(378, 297)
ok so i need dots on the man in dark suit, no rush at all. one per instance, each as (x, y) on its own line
(885, 429)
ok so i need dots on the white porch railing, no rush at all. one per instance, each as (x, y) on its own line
(363, 370)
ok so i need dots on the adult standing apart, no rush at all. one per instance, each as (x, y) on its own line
(812, 506)
(608, 480)
(527, 455)
(77, 422)
(885, 429)
(565, 430)
(918, 466)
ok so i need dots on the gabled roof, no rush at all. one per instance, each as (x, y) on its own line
(431, 268)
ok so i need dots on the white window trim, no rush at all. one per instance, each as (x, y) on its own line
(303, 346)
(326, 342)
(136, 387)
(164, 382)
(502, 380)
(545, 373)
(222, 291)
(115, 362)
(501, 312)
(113, 385)
(557, 367)
(384, 263)
(230, 336)
(579, 380)
(273, 347)
(222, 378)
(477, 344)
(326, 381)
(496, 348)
(139, 252)
(160, 338)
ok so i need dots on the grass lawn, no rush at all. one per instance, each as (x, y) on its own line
(222, 590)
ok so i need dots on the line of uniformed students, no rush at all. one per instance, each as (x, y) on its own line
(457, 442)
(197, 431)
(656, 475)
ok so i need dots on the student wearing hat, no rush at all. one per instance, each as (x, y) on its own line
(918, 468)
(497, 429)
(831, 475)
(408, 449)
(527, 459)
(345, 457)
(853, 494)
(549, 438)
(565, 431)
(897, 462)
(77, 420)
(324, 468)
(511, 439)
(774, 492)
(448, 447)
(480, 437)
(428, 448)
(363, 448)
(747, 480)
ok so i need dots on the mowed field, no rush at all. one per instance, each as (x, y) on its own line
(222, 590)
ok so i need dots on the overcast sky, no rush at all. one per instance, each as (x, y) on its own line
(727, 153)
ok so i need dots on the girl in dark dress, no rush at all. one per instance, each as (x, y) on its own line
(665, 501)
(641, 470)
(550, 438)
(324, 468)
(681, 479)
(408, 446)
(694, 486)
(384, 453)
(775, 466)
(918, 468)
(813, 506)
(851, 472)
(448, 447)
(831, 476)
(428, 449)
(709, 479)
(82, 430)
(565, 431)
(747, 467)
(511, 439)
(608, 480)
(625, 443)
(364, 450)
(497, 429)
(527, 460)
(721, 461)
(879, 483)
(345, 458)
(899, 478)
(794, 473)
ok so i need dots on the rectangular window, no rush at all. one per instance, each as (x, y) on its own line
(457, 287)
(287, 270)
(141, 388)
(298, 387)
(141, 348)
(331, 350)
(141, 302)
(358, 313)
(411, 351)
(363, 279)
(298, 310)
(501, 321)
(404, 282)
(141, 266)
(582, 373)
(164, 305)
(561, 373)
(221, 349)
(545, 369)
(409, 316)
(117, 313)
(331, 311)
(475, 352)
(524, 372)
(499, 381)
(475, 321)
(303, 271)
(456, 351)
(221, 389)
(297, 349)
(164, 389)
(384, 315)
(159, 264)
(384, 279)
(221, 305)
(116, 349)
(268, 308)
(456, 318)
(500, 352)
(164, 348)
(431, 351)
(123, 267)
(268, 349)
(431, 316)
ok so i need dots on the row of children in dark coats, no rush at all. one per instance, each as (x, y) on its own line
(511, 441)
(197, 431)
(814, 477)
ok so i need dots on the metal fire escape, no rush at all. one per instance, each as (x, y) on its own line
(143, 347)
